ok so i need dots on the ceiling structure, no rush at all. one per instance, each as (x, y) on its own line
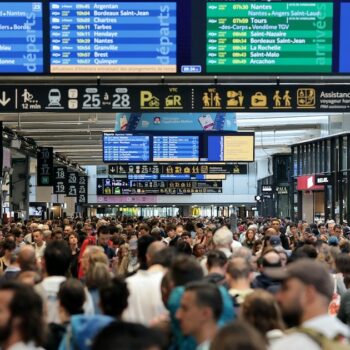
(79, 136)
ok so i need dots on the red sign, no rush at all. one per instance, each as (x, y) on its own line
(308, 183)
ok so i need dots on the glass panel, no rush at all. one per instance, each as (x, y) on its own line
(317, 157)
(328, 162)
(322, 154)
(304, 157)
(344, 165)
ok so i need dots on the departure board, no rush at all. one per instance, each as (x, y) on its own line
(125, 148)
(21, 37)
(113, 37)
(230, 148)
(269, 37)
(175, 148)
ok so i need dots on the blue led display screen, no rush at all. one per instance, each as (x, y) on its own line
(21, 37)
(113, 37)
(175, 148)
(125, 148)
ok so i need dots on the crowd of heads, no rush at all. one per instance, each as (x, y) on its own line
(162, 283)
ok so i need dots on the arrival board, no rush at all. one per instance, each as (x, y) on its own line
(269, 37)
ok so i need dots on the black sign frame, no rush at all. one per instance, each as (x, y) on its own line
(256, 98)
(45, 173)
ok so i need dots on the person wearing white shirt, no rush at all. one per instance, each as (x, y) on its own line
(145, 300)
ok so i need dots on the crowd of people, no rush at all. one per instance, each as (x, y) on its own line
(174, 283)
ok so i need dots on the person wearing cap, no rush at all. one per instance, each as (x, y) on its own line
(306, 292)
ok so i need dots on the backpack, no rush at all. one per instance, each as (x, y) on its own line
(82, 330)
(322, 341)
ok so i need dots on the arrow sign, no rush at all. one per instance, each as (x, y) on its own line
(112, 170)
(4, 101)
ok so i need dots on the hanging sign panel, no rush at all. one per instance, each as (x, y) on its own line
(45, 174)
(60, 180)
(206, 100)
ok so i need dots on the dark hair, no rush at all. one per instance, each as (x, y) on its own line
(207, 295)
(103, 230)
(114, 297)
(164, 257)
(126, 336)
(112, 229)
(342, 262)
(27, 305)
(17, 232)
(72, 296)
(185, 269)
(306, 251)
(238, 335)
(57, 258)
(142, 245)
(261, 310)
(170, 227)
(57, 230)
(183, 247)
(143, 227)
(9, 244)
(186, 234)
(216, 258)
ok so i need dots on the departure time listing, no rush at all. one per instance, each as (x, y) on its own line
(113, 37)
(267, 37)
(21, 37)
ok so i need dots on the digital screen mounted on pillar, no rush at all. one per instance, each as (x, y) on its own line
(177, 147)
(21, 37)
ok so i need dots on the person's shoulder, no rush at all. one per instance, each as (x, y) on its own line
(295, 340)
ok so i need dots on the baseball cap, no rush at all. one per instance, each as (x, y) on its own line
(333, 241)
(308, 271)
(275, 241)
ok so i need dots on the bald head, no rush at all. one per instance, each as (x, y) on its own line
(272, 259)
(26, 258)
(152, 250)
(238, 268)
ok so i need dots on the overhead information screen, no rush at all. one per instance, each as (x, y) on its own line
(229, 148)
(175, 148)
(21, 37)
(125, 148)
(269, 37)
(113, 37)
(183, 37)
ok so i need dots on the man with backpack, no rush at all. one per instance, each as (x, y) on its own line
(304, 298)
